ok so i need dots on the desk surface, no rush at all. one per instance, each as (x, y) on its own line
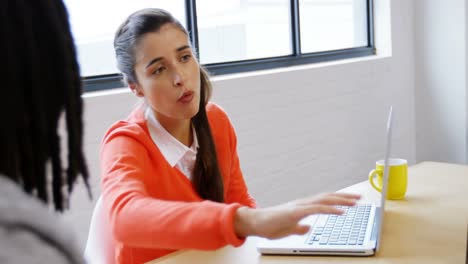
(429, 226)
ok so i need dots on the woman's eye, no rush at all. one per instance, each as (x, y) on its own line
(159, 70)
(185, 57)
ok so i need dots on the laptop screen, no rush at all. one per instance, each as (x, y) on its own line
(388, 146)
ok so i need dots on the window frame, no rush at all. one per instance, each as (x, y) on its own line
(110, 81)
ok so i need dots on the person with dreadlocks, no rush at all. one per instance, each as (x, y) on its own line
(41, 81)
(171, 177)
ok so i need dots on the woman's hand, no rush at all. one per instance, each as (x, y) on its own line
(283, 220)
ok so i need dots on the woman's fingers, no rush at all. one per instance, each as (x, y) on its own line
(330, 199)
(337, 200)
(301, 229)
(348, 195)
(342, 195)
(304, 211)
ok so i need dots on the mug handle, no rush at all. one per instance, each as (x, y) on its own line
(372, 173)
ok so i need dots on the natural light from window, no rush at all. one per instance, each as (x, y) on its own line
(228, 30)
(94, 23)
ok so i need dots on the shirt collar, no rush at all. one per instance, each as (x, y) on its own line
(171, 148)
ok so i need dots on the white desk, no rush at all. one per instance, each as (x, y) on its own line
(429, 226)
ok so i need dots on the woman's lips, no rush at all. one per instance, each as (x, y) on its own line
(186, 97)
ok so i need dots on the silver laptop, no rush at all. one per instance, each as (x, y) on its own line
(355, 233)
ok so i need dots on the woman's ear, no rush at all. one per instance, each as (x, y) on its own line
(136, 89)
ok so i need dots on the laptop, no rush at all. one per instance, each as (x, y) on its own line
(355, 233)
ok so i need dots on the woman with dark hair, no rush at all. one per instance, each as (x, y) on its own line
(171, 175)
(41, 81)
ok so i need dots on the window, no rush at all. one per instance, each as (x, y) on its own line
(233, 30)
(332, 24)
(94, 24)
(230, 35)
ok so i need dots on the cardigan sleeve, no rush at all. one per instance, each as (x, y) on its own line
(139, 220)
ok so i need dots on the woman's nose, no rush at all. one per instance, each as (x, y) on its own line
(178, 78)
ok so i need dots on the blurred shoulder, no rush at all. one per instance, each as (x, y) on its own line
(27, 224)
(14, 241)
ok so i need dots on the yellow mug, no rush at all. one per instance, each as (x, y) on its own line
(397, 178)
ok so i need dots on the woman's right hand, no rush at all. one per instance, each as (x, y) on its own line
(283, 220)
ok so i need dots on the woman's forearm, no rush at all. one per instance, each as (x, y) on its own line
(244, 222)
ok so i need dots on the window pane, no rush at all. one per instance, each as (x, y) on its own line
(332, 24)
(233, 30)
(95, 22)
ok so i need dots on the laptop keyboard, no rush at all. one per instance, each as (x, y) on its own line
(346, 229)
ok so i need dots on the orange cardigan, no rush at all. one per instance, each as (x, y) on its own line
(152, 207)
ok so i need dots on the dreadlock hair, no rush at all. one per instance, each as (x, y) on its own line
(206, 179)
(41, 81)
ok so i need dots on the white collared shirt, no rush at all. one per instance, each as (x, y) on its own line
(176, 154)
